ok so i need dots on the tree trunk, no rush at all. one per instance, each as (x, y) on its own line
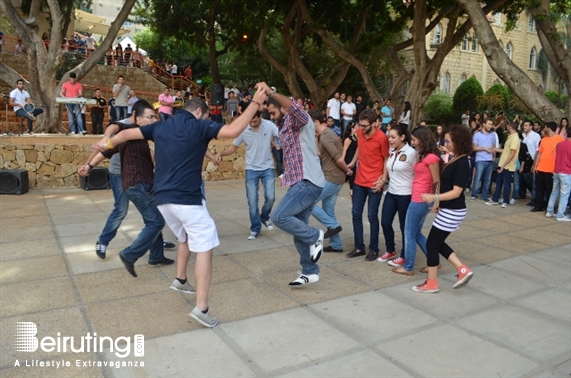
(528, 92)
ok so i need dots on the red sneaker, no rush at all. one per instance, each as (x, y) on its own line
(429, 286)
(464, 275)
(399, 261)
(387, 256)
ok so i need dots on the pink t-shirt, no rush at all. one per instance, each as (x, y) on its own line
(72, 90)
(163, 108)
(563, 157)
(422, 182)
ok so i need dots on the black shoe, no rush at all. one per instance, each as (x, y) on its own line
(168, 244)
(330, 249)
(164, 261)
(128, 265)
(536, 209)
(355, 253)
(100, 250)
(372, 256)
(332, 231)
(530, 203)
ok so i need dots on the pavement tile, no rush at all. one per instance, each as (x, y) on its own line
(31, 233)
(364, 363)
(375, 311)
(79, 217)
(481, 253)
(255, 298)
(465, 354)
(23, 210)
(372, 273)
(72, 208)
(563, 368)
(223, 269)
(551, 302)
(331, 285)
(84, 228)
(497, 226)
(512, 243)
(561, 228)
(21, 270)
(467, 232)
(66, 321)
(116, 284)
(273, 344)
(541, 270)
(23, 222)
(86, 242)
(546, 238)
(88, 262)
(527, 332)
(268, 261)
(76, 368)
(240, 230)
(153, 315)
(27, 249)
(174, 356)
(242, 244)
(502, 284)
(37, 295)
(557, 255)
(529, 220)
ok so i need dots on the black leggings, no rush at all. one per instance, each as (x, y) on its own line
(435, 246)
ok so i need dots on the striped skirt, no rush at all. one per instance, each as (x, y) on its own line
(449, 219)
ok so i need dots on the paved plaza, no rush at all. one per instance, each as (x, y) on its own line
(359, 320)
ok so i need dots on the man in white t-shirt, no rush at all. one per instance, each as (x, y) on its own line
(349, 110)
(90, 43)
(466, 118)
(333, 108)
(19, 97)
(174, 69)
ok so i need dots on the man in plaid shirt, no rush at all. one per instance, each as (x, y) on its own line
(304, 177)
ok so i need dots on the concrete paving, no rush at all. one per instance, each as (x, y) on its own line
(359, 320)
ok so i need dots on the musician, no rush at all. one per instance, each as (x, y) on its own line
(19, 97)
(97, 113)
(167, 103)
(73, 89)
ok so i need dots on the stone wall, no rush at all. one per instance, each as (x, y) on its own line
(53, 161)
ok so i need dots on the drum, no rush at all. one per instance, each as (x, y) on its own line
(29, 107)
(156, 105)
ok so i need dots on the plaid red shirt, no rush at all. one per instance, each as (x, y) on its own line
(295, 118)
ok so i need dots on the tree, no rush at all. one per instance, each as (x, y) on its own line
(529, 93)
(439, 107)
(43, 64)
(465, 97)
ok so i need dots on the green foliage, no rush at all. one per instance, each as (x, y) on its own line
(499, 90)
(465, 97)
(69, 61)
(438, 107)
(553, 97)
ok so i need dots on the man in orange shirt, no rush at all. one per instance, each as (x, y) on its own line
(372, 153)
(73, 89)
(544, 165)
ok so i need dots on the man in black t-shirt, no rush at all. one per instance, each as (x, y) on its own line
(244, 103)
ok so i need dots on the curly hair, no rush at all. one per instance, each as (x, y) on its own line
(427, 142)
(462, 139)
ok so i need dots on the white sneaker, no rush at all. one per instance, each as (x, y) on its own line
(504, 205)
(269, 225)
(281, 176)
(204, 319)
(72, 133)
(512, 201)
(252, 236)
(315, 250)
(492, 203)
(549, 215)
(564, 219)
(184, 288)
(304, 279)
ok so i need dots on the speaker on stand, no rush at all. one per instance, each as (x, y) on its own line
(98, 179)
(14, 181)
(217, 94)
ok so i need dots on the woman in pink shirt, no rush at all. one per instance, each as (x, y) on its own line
(426, 176)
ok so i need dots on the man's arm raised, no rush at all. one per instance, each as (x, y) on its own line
(122, 137)
(236, 127)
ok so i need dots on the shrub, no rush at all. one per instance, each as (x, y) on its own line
(438, 107)
(502, 91)
(465, 97)
(553, 97)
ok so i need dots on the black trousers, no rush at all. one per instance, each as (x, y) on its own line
(96, 123)
(436, 245)
(543, 188)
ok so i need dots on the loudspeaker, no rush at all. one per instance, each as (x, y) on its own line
(217, 94)
(14, 181)
(98, 179)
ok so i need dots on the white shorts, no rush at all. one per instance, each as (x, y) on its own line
(192, 223)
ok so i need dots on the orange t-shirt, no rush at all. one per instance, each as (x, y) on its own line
(372, 154)
(547, 148)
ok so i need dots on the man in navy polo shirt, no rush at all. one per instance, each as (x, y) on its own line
(180, 145)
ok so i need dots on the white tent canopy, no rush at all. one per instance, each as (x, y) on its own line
(90, 23)
(128, 41)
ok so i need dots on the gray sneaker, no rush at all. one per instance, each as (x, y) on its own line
(186, 288)
(204, 319)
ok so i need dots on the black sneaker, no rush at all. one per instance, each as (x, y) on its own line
(164, 261)
(100, 250)
(331, 249)
(332, 232)
(168, 244)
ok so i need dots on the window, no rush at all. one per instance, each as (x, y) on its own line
(465, 43)
(509, 50)
(531, 24)
(533, 59)
(128, 24)
(438, 34)
(446, 83)
(475, 43)
(462, 78)
(497, 18)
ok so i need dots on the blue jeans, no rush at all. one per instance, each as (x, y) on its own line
(150, 237)
(346, 122)
(326, 214)
(471, 164)
(24, 114)
(394, 203)
(484, 171)
(279, 156)
(292, 216)
(561, 188)
(504, 181)
(164, 116)
(119, 212)
(360, 194)
(252, 185)
(415, 216)
(74, 118)
(121, 112)
(517, 183)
